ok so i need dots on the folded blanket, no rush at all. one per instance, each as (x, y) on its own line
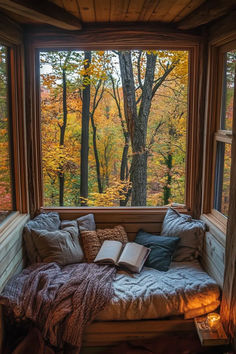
(61, 301)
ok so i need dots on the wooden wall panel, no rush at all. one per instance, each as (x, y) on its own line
(150, 220)
(12, 258)
(100, 37)
(107, 333)
(213, 258)
(11, 251)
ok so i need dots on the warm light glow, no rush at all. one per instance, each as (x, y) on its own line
(213, 319)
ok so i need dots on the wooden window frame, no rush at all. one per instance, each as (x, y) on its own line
(39, 40)
(214, 133)
(17, 119)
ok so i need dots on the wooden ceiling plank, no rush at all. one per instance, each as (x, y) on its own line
(87, 10)
(206, 13)
(134, 10)
(102, 10)
(10, 31)
(174, 7)
(71, 6)
(58, 3)
(43, 11)
(149, 7)
(119, 9)
(162, 10)
(190, 7)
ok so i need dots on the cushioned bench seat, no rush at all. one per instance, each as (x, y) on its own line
(185, 289)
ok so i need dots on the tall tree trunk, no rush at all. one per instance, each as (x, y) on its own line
(85, 132)
(167, 188)
(124, 171)
(95, 150)
(137, 123)
(62, 137)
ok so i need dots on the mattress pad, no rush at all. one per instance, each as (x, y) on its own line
(185, 289)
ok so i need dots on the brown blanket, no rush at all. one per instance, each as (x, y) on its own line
(61, 301)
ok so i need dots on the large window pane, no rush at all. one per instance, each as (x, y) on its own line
(222, 179)
(128, 112)
(6, 204)
(228, 90)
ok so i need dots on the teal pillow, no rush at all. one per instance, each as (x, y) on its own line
(162, 249)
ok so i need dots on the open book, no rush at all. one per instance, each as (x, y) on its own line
(131, 256)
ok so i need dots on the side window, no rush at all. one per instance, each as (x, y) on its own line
(223, 135)
(6, 180)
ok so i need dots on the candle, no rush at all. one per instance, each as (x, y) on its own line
(213, 319)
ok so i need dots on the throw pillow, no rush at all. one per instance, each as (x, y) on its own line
(60, 246)
(93, 240)
(91, 245)
(118, 233)
(162, 249)
(190, 232)
(86, 222)
(45, 221)
(69, 223)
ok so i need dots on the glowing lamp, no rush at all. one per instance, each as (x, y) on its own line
(213, 319)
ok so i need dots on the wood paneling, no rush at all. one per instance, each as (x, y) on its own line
(10, 32)
(12, 257)
(187, 9)
(105, 333)
(112, 37)
(196, 167)
(43, 11)
(11, 252)
(150, 220)
(207, 12)
(101, 11)
(213, 258)
(87, 11)
(228, 308)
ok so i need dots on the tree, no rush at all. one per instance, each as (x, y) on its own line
(137, 113)
(58, 85)
(124, 171)
(85, 131)
(5, 167)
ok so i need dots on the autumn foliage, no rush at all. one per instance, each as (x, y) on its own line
(5, 163)
(111, 148)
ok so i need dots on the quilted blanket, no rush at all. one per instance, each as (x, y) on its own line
(61, 301)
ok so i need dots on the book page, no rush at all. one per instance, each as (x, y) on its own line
(109, 251)
(132, 253)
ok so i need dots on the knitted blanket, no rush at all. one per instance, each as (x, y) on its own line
(61, 301)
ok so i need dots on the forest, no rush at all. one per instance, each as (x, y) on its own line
(6, 193)
(113, 127)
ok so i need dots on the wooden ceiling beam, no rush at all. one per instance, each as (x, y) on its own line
(209, 11)
(42, 10)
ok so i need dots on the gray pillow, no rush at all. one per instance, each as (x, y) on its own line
(190, 231)
(68, 223)
(60, 246)
(86, 223)
(45, 221)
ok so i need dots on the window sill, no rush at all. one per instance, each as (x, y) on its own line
(111, 210)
